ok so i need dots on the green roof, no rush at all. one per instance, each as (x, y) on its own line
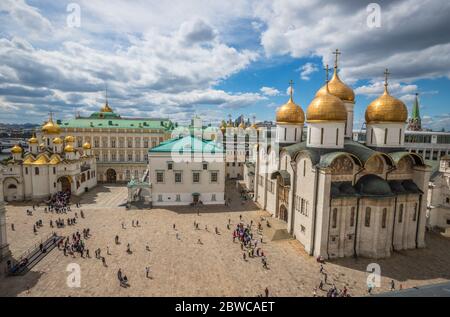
(116, 122)
(188, 144)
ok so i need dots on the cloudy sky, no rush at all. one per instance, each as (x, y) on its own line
(213, 58)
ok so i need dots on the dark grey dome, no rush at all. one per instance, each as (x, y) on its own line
(373, 185)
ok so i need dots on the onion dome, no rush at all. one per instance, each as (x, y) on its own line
(337, 88)
(16, 149)
(57, 141)
(87, 146)
(69, 139)
(223, 126)
(326, 107)
(42, 145)
(290, 112)
(69, 148)
(51, 127)
(386, 108)
(33, 140)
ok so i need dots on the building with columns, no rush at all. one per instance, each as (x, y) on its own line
(340, 197)
(119, 144)
(52, 164)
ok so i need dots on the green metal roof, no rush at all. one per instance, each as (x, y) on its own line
(117, 122)
(188, 144)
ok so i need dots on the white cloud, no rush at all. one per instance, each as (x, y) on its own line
(406, 38)
(270, 91)
(306, 70)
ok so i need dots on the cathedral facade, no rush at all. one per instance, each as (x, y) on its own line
(53, 163)
(339, 197)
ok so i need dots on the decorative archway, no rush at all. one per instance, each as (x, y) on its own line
(10, 189)
(111, 176)
(65, 184)
(283, 214)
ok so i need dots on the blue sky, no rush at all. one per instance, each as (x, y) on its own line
(214, 58)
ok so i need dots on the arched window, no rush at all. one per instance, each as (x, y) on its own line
(304, 168)
(334, 218)
(371, 136)
(36, 171)
(352, 217)
(384, 218)
(400, 214)
(400, 136)
(337, 136)
(385, 135)
(321, 135)
(295, 134)
(285, 134)
(309, 135)
(367, 217)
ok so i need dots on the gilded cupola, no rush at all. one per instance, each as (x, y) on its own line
(386, 108)
(51, 127)
(290, 112)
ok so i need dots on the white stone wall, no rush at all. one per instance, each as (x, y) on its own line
(289, 133)
(376, 134)
(328, 135)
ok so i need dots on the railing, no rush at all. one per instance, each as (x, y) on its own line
(30, 250)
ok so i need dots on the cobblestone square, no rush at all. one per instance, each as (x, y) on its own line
(182, 267)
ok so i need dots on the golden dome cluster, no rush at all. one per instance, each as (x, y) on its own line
(386, 108)
(87, 146)
(290, 112)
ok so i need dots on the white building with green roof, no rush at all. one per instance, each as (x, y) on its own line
(187, 170)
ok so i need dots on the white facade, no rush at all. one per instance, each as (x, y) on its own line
(183, 179)
(386, 135)
(328, 135)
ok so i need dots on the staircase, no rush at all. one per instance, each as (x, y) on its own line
(33, 256)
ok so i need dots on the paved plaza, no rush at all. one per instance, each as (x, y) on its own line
(183, 267)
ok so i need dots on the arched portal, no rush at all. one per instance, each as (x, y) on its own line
(64, 182)
(10, 189)
(111, 176)
(283, 213)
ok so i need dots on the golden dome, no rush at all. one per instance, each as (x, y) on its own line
(69, 139)
(33, 140)
(16, 149)
(290, 113)
(42, 145)
(87, 146)
(41, 160)
(57, 140)
(106, 108)
(326, 107)
(51, 127)
(337, 88)
(386, 109)
(69, 148)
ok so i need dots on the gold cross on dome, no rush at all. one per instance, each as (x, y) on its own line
(337, 53)
(291, 83)
(386, 75)
(327, 70)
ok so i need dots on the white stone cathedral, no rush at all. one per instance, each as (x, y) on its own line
(339, 197)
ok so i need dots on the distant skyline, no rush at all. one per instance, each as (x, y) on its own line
(213, 58)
